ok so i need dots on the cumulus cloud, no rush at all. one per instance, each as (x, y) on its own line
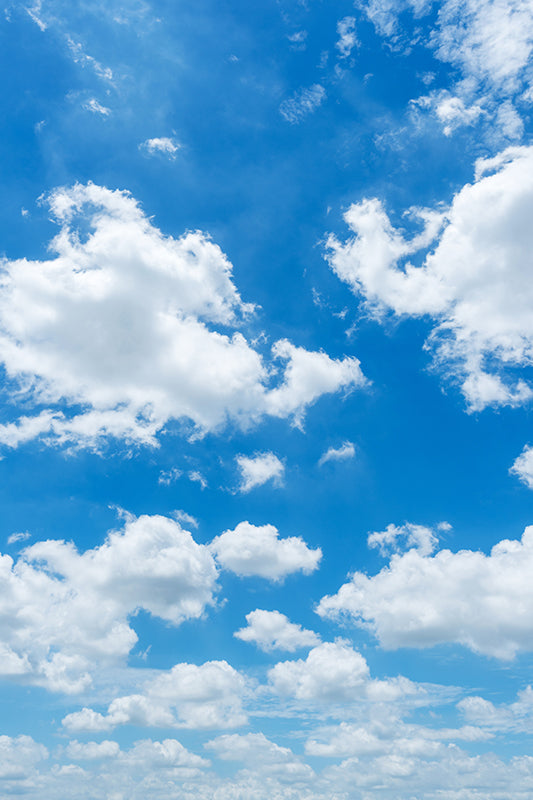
(398, 537)
(90, 751)
(125, 330)
(452, 111)
(62, 612)
(259, 469)
(271, 630)
(187, 696)
(302, 103)
(342, 453)
(265, 755)
(484, 602)
(523, 466)
(257, 550)
(19, 757)
(473, 284)
(164, 145)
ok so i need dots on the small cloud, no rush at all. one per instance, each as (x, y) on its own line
(96, 108)
(18, 537)
(259, 469)
(187, 519)
(302, 103)
(24, 212)
(166, 477)
(197, 477)
(271, 630)
(297, 40)
(342, 453)
(163, 145)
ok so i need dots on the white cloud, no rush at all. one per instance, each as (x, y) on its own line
(515, 716)
(161, 755)
(164, 145)
(18, 759)
(302, 103)
(420, 537)
(332, 672)
(484, 602)
(187, 696)
(473, 284)
(450, 110)
(166, 477)
(89, 751)
(96, 108)
(342, 453)
(523, 466)
(260, 754)
(257, 550)
(22, 536)
(124, 323)
(347, 36)
(259, 469)
(62, 612)
(271, 630)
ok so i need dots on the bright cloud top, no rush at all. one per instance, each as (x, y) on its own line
(474, 284)
(271, 630)
(259, 469)
(124, 324)
(484, 602)
(257, 550)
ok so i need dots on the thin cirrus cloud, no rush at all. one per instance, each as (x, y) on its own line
(472, 285)
(420, 599)
(302, 103)
(135, 354)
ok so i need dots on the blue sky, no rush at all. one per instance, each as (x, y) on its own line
(265, 422)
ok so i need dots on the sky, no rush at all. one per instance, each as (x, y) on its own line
(266, 448)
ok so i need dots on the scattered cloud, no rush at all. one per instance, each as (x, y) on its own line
(523, 466)
(257, 550)
(483, 602)
(168, 476)
(259, 469)
(164, 146)
(96, 108)
(271, 630)
(21, 536)
(302, 103)
(342, 453)
(473, 283)
(420, 537)
(265, 756)
(347, 36)
(135, 354)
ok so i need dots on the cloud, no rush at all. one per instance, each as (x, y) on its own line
(483, 602)
(450, 110)
(187, 696)
(22, 536)
(302, 103)
(265, 756)
(259, 469)
(89, 751)
(119, 334)
(96, 108)
(342, 453)
(418, 536)
(63, 613)
(251, 550)
(347, 36)
(506, 717)
(18, 759)
(523, 466)
(165, 146)
(271, 630)
(473, 284)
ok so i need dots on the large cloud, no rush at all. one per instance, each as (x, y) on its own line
(126, 329)
(484, 602)
(63, 612)
(476, 284)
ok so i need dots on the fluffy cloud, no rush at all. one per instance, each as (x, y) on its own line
(473, 284)
(62, 612)
(270, 630)
(18, 758)
(396, 537)
(126, 329)
(187, 696)
(259, 469)
(89, 751)
(342, 453)
(266, 756)
(257, 550)
(484, 602)
(164, 145)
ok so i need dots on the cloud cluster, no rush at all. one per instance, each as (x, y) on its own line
(187, 696)
(484, 602)
(473, 284)
(125, 330)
